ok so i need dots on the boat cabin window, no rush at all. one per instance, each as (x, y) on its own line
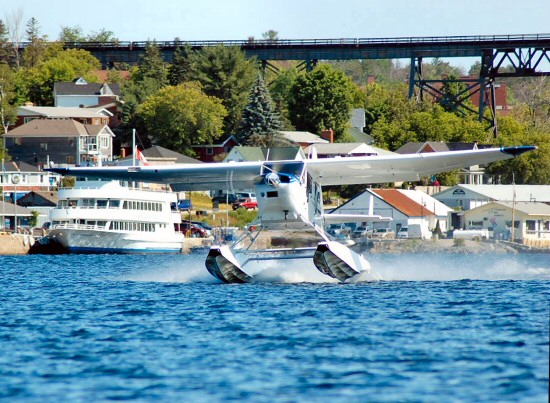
(114, 203)
(102, 203)
(87, 203)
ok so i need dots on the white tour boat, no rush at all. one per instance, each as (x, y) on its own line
(105, 217)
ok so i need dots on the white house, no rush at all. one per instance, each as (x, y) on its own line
(467, 197)
(531, 221)
(404, 207)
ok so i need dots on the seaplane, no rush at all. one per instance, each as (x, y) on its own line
(290, 199)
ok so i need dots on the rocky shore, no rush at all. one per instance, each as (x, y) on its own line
(447, 246)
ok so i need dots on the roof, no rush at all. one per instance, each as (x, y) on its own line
(302, 137)
(161, 153)
(81, 87)
(359, 136)
(431, 146)
(250, 153)
(401, 202)
(433, 205)
(19, 166)
(56, 128)
(530, 208)
(10, 209)
(62, 112)
(341, 148)
(50, 196)
(504, 192)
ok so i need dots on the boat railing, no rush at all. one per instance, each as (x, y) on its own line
(78, 226)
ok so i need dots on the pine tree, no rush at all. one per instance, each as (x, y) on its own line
(260, 121)
(179, 70)
(151, 65)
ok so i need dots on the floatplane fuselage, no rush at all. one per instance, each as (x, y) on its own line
(290, 198)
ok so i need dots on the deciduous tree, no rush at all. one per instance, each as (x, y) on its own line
(181, 116)
(322, 99)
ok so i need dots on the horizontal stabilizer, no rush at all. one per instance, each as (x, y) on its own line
(223, 265)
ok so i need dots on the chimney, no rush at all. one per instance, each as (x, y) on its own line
(328, 135)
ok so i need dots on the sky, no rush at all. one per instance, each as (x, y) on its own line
(164, 20)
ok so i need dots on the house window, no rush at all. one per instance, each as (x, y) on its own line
(209, 151)
(28, 119)
(17, 141)
(104, 142)
(43, 146)
(70, 159)
(530, 225)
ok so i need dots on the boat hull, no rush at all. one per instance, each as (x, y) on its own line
(97, 241)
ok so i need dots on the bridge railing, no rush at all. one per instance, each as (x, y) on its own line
(513, 38)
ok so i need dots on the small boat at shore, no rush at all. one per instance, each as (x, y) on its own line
(106, 217)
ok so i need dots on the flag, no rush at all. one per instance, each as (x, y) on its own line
(141, 157)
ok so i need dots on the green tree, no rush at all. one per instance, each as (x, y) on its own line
(531, 168)
(5, 46)
(65, 66)
(260, 121)
(180, 69)
(181, 116)
(102, 35)
(280, 90)
(8, 112)
(71, 34)
(322, 99)
(225, 73)
(151, 65)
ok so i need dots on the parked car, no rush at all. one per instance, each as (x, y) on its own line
(383, 233)
(225, 198)
(246, 203)
(343, 229)
(403, 233)
(205, 226)
(185, 204)
(362, 231)
(193, 230)
(247, 195)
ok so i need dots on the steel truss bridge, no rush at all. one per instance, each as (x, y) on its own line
(528, 56)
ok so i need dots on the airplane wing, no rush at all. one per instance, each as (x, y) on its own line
(326, 171)
(404, 167)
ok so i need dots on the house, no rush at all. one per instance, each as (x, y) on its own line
(248, 153)
(404, 207)
(157, 155)
(44, 141)
(80, 93)
(472, 175)
(357, 125)
(331, 150)
(18, 178)
(531, 221)
(40, 201)
(467, 197)
(215, 152)
(304, 139)
(13, 216)
(86, 116)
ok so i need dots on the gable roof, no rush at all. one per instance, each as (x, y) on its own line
(49, 196)
(341, 149)
(81, 87)
(359, 136)
(402, 203)
(302, 137)
(503, 192)
(62, 112)
(529, 208)
(19, 166)
(56, 128)
(249, 153)
(437, 146)
(160, 153)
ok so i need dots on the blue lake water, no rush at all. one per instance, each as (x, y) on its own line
(464, 328)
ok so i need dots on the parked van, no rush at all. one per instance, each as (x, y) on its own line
(417, 231)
